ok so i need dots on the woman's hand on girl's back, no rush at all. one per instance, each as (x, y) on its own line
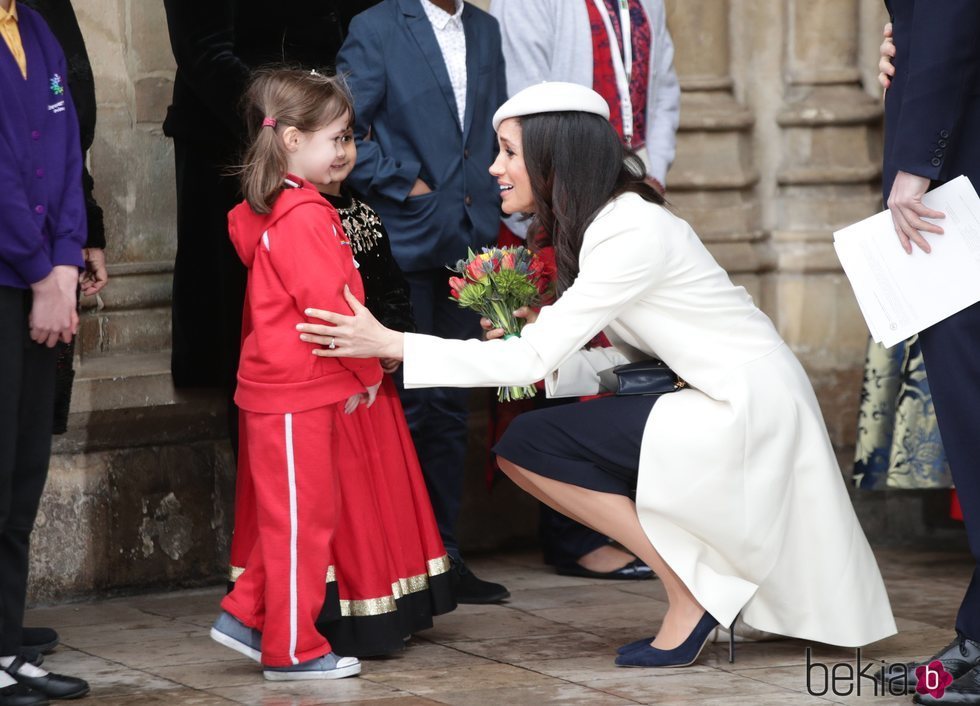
(525, 312)
(357, 336)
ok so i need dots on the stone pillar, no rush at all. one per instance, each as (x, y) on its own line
(828, 177)
(133, 168)
(711, 183)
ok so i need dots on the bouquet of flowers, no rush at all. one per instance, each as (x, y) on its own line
(495, 282)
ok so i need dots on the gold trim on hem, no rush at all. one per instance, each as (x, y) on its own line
(400, 588)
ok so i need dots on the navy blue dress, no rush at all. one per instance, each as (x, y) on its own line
(593, 444)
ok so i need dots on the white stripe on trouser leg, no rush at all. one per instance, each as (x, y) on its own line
(293, 536)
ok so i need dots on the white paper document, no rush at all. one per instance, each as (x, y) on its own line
(901, 294)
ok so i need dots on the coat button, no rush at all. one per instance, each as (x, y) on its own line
(466, 154)
(938, 153)
(39, 209)
(39, 173)
(944, 134)
(468, 200)
(942, 143)
(936, 161)
(36, 135)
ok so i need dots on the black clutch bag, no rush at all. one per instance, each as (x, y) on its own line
(647, 377)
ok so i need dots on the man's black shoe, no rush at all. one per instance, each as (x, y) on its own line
(957, 658)
(53, 686)
(965, 690)
(20, 695)
(42, 640)
(474, 591)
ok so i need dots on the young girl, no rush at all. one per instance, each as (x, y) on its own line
(340, 507)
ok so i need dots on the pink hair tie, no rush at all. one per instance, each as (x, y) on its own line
(269, 122)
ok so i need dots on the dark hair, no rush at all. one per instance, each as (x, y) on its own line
(298, 98)
(576, 163)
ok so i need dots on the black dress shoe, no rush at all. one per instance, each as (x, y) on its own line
(957, 658)
(965, 690)
(472, 590)
(42, 640)
(20, 695)
(53, 686)
(636, 570)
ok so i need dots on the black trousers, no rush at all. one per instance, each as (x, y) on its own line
(951, 350)
(27, 381)
(209, 277)
(438, 416)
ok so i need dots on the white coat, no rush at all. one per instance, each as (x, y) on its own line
(739, 489)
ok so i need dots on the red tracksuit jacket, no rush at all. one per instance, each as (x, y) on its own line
(297, 257)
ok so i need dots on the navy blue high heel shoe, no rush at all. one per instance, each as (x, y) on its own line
(630, 646)
(683, 655)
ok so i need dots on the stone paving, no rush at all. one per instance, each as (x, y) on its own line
(552, 643)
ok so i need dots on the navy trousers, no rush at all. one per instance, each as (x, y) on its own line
(27, 379)
(438, 416)
(951, 350)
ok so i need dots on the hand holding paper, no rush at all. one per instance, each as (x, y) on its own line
(908, 211)
(903, 292)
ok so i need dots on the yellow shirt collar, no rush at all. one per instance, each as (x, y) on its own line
(12, 14)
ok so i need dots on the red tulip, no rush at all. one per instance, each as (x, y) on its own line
(474, 270)
(456, 285)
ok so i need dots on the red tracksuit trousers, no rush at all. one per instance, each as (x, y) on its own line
(297, 502)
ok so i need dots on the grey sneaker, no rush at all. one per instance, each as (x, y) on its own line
(330, 666)
(231, 632)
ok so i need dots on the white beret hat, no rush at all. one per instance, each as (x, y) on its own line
(551, 97)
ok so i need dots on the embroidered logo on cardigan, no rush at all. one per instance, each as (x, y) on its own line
(56, 87)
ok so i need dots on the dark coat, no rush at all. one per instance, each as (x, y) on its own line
(217, 44)
(932, 112)
(932, 108)
(403, 96)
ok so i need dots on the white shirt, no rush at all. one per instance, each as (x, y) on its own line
(452, 43)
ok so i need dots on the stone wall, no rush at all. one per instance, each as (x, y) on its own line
(779, 144)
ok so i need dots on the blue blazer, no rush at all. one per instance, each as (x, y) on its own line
(403, 98)
(42, 206)
(932, 110)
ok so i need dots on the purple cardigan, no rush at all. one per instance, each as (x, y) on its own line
(42, 207)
